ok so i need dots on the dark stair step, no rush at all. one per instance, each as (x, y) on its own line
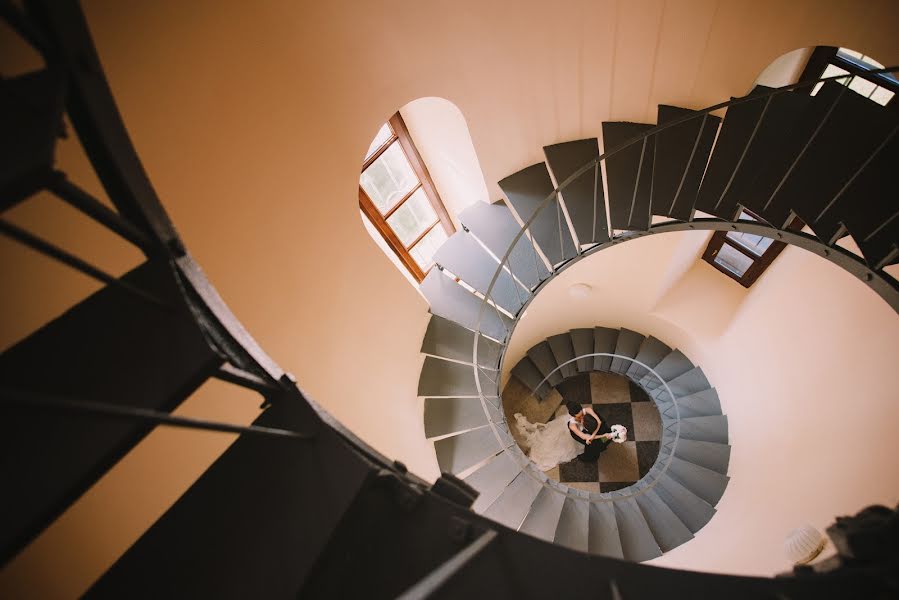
(526, 190)
(604, 340)
(582, 341)
(112, 348)
(563, 351)
(584, 197)
(681, 154)
(542, 357)
(447, 339)
(751, 132)
(629, 175)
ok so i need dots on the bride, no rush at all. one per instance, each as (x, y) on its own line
(550, 443)
(553, 443)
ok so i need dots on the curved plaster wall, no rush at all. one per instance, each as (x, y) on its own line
(803, 354)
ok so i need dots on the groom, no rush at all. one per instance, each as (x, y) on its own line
(589, 429)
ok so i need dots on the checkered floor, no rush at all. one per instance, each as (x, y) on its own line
(616, 400)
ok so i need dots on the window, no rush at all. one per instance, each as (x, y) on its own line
(397, 195)
(744, 256)
(827, 61)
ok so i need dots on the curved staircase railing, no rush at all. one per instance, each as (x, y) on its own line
(276, 515)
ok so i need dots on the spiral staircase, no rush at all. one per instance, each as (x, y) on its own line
(663, 510)
(298, 505)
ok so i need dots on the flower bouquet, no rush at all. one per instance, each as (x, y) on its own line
(619, 434)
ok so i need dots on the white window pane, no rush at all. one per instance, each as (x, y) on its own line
(847, 53)
(384, 134)
(412, 218)
(754, 243)
(423, 251)
(833, 70)
(882, 96)
(389, 178)
(862, 86)
(733, 260)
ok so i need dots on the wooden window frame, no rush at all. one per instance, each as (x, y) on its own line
(425, 183)
(760, 263)
(829, 55)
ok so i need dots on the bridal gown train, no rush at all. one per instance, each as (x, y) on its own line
(550, 443)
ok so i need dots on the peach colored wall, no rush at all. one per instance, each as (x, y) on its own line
(251, 123)
(804, 354)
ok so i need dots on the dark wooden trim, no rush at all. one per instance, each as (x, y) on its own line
(828, 55)
(759, 262)
(383, 148)
(377, 219)
(402, 201)
(418, 165)
(422, 235)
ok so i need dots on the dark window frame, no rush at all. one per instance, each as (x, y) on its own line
(829, 55)
(400, 135)
(760, 263)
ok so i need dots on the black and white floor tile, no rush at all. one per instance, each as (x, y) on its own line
(617, 401)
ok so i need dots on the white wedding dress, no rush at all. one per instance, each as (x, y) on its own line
(550, 443)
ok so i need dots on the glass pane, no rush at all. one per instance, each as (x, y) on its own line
(389, 178)
(754, 243)
(384, 134)
(423, 251)
(862, 86)
(745, 216)
(847, 53)
(882, 96)
(733, 260)
(412, 218)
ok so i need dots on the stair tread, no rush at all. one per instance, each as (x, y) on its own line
(494, 225)
(448, 339)
(603, 531)
(681, 154)
(628, 344)
(492, 478)
(563, 351)
(543, 516)
(667, 528)
(705, 483)
(526, 190)
(513, 504)
(637, 541)
(446, 378)
(629, 175)
(692, 510)
(542, 357)
(463, 256)
(459, 452)
(604, 340)
(584, 198)
(451, 301)
(710, 455)
(582, 343)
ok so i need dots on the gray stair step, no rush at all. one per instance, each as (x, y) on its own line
(526, 190)
(629, 175)
(705, 483)
(750, 133)
(686, 384)
(603, 531)
(459, 452)
(443, 416)
(582, 342)
(563, 351)
(705, 454)
(584, 197)
(495, 226)
(542, 357)
(692, 510)
(670, 367)
(463, 256)
(451, 301)
(681, 154)
(543, 518)
(705, 429)
(447, 339)
(444, 378)
(637, 541)
(628, 344)
(513, 504)
(667, 528)
(651, 352)
(604, 340)
(703, 403)
(492, 478)
(573, 524)
(531, 377)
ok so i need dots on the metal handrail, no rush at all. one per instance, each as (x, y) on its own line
(594, 163)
